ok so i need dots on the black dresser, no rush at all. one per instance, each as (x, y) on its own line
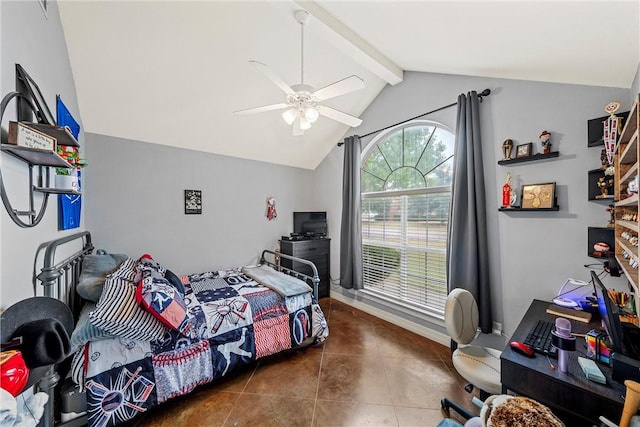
(314, 250)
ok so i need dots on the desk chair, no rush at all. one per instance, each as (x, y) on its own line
(630, 409)
(480, 366)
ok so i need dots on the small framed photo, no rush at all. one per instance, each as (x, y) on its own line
(524, 150)
(538, 196)
(192, 202)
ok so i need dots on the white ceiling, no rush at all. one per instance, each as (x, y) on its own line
(173, 72)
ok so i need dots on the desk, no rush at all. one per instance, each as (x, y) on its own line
(573, 398)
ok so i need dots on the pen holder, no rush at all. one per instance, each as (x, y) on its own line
(562, 339)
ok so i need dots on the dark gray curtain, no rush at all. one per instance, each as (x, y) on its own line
(468, 254)
(351, 233)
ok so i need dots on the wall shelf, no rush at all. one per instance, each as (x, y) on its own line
(34, 156)
(531, 158)
(627, 162)
(594, 192)
(600, 234)
(56, 191)
(41, 159)
(514, 209)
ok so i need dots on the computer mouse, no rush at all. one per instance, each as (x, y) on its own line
(522, 348)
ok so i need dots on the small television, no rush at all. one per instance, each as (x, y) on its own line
(310, 223)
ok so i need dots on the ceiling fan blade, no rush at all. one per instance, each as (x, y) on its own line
(273, 77)
(334, 114)
(262, 109)
(341, 87)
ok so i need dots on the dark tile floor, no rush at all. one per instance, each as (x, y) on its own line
(367, 373)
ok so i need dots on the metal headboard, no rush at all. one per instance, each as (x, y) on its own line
(59, 279)
(276, 263)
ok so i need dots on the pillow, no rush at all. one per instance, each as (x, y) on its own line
(95, 269)
(175, 281)
(146, 262)
(156, 295)
(118, 313)
(85, 331)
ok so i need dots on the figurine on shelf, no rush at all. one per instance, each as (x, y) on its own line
(604, 184)
(632, 186)
(604, 161)
(612, 216)
(507, 149)
(545, 140)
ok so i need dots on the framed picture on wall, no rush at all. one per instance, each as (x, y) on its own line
(192, 202)
(538, 196)
(524, 150)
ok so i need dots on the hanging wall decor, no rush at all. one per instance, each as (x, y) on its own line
(611, 129)
(192, 202)
(271, 213)
(69, 205)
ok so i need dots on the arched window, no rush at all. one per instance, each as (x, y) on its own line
(406, 191)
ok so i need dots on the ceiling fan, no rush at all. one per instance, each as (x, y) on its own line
(304, 103)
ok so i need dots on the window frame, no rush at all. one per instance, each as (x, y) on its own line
(366, 153)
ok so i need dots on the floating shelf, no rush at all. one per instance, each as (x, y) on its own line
(56, 191)
(514, 209)
(531, 158)
(35, 156)
(593, 191)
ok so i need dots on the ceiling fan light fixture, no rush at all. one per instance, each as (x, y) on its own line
(290, 115)
(303, 104)
(311, 114)
(304, 123)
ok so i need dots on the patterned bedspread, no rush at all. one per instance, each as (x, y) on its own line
(234, 321)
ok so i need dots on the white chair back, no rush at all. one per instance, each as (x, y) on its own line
(461, 316)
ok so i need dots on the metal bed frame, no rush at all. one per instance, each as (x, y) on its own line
(59, 280)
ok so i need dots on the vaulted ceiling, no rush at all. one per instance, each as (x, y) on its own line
(173, 72)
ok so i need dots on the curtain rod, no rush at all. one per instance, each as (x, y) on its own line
(485, 92)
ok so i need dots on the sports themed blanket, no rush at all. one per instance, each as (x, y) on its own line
(234, 321)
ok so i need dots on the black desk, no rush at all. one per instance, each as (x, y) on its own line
(573, 398)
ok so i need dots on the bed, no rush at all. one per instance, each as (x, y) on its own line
(145, 335)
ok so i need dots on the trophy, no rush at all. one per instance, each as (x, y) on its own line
(507, 149)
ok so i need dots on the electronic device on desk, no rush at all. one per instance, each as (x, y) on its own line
(310, 224)
(576, 297)
(623, 339)
(539, 338)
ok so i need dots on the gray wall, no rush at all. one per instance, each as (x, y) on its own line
(532, 253)
(635, 87)
(135, 203)
(37, 43)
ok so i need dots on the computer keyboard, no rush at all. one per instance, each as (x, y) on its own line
(539, 338)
